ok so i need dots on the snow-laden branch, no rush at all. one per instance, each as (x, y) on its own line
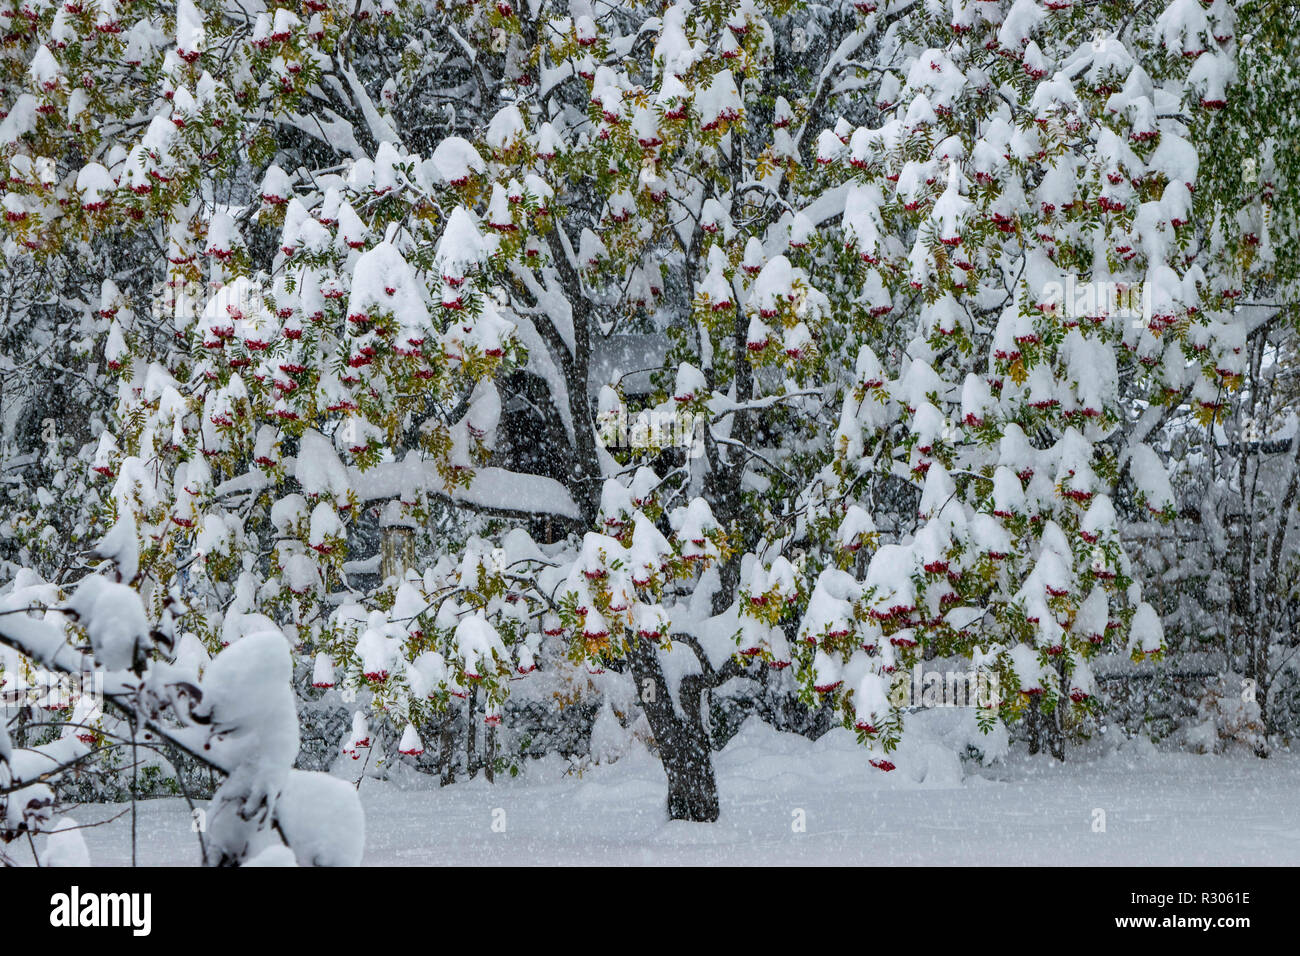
(492, 490)
(380, 129)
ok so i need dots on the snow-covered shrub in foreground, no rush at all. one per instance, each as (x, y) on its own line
(239, 719)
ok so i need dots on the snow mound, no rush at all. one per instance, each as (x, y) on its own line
(322, 819)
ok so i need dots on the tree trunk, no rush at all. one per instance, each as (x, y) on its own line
(1056, 726)
(1257, 670)
(471, 735)
(692, 787)
(448, 757)
(683, 742)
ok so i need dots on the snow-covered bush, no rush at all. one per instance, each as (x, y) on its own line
(238, 718)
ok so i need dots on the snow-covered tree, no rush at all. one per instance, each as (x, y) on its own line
(888, 254)
(1229, 584)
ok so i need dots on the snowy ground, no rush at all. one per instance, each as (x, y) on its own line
(1161, 808)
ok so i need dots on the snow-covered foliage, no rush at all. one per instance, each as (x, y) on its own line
(355, 345)
(239, 719)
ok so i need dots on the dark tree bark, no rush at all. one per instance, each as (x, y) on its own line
(1034, 721)
(1056, 725)
(684, 743)
(447, 757)
(471, 766)
(692, 787)
(682, 740)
